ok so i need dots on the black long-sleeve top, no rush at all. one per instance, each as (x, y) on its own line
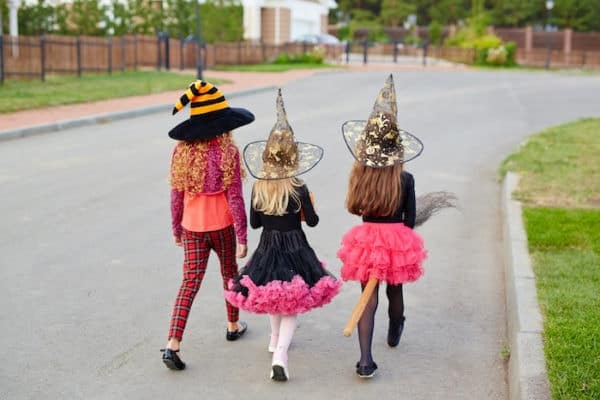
(406, 213)
(291, 219)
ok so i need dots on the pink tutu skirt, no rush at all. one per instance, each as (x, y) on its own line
(390, 252)
(280, 297)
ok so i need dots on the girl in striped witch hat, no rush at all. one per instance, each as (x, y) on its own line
(284, 277)
(207, 205)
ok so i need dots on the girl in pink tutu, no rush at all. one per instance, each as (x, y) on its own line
(284, 277)
(384, 246)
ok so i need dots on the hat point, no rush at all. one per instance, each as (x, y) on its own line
(175, 110)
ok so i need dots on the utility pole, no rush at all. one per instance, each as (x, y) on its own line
(13, 6)
(198, 54)
(549, 7)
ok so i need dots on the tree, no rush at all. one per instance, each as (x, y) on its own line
(36, 18)
(121, 22)
(4, 16)
(449, 12)
(145, 16)
(180, 18)
(223, 21)
(394, 12)
(581, 15)
(87, 18)
(517, 12)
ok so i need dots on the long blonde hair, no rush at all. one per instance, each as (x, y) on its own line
(375, 192)
(188, 165)
(272, 196)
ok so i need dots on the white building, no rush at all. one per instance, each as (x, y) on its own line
(280, 21)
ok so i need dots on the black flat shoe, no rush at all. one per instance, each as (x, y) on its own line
(235, 335)
(172, 360)
(366, 371)
(395, 332)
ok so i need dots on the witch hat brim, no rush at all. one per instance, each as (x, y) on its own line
(308, 155)
(206, 126)
(353, 130)
(379, 142)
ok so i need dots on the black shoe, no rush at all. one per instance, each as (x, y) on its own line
(172, 360)
(395, 332)
(366, 371)
(235, 335)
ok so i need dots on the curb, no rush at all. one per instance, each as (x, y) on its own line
(527, 376)
(106, 118)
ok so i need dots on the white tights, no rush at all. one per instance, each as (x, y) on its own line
(282, 332)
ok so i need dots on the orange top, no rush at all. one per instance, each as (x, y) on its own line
(204, 212)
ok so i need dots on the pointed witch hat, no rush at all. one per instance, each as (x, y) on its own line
(280, 156)
(379, 142)
(210, 114)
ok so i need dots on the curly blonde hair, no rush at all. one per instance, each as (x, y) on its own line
(188, 165)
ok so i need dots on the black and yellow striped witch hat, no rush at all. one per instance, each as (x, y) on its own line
(210, 114)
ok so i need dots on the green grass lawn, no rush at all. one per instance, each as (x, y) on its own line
(57, 90)
(271, 67)
(561, 167)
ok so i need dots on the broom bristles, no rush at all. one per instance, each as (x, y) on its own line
(431, 203)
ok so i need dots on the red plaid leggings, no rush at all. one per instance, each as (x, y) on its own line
(197, 246)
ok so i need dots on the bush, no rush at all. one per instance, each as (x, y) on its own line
(435, 33)
(489, 49)
(313, 57)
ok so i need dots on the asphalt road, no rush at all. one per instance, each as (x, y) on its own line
(88, 270)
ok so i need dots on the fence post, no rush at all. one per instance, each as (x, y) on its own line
(395, 51)
(365, 51)
(1, 58)
(263, 51)
(110, 55)
(123, 53)
(78, 44)
(425, 47)
(159, 54)
(167, 52)
(43, 57)
(583, 59)
(347, 52)
(239, 53)
(135, 52)
(180, 52)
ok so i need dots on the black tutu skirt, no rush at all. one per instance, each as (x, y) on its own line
(283, 276)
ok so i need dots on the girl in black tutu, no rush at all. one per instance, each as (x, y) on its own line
(284, 277)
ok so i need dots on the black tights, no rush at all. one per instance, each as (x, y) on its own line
(366, 323)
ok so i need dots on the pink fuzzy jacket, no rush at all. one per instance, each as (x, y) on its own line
(213, 182)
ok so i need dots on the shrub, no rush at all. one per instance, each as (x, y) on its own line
(313, 57)
(489, 49)
(435, 32)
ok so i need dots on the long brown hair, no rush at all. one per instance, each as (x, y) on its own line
(188, 165)
(376, 192)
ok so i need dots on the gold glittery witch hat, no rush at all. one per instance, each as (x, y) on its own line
(379, 142)
(281, 156)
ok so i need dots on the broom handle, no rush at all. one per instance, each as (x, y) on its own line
(360, 306)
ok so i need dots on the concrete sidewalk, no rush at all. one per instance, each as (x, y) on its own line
(23, 123)
(36, 121)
